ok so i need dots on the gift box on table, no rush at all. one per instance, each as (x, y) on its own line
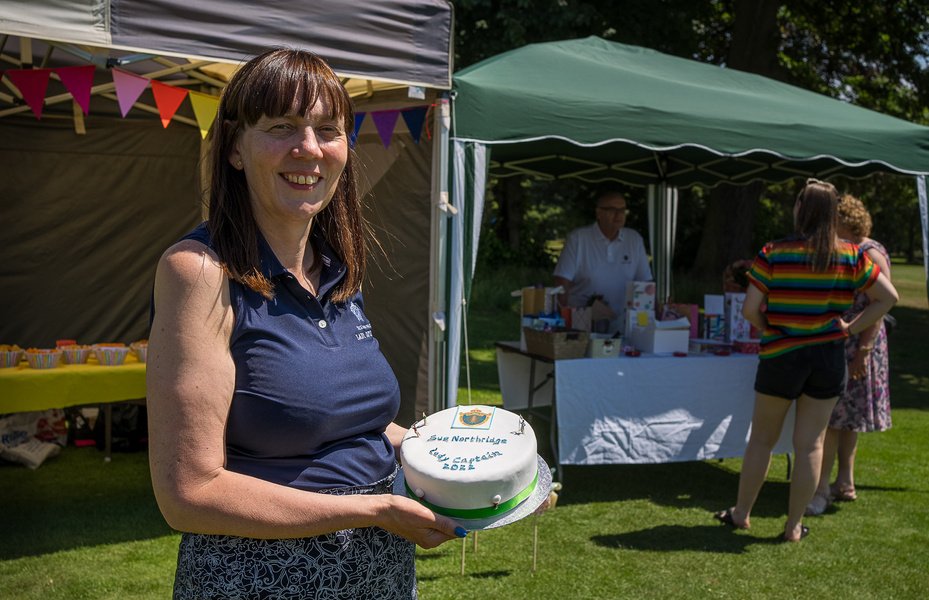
(660, 337)
(714, 318)
(640, 296)
(558, 343)
(674, 310)
(747, 346)
(737, 326)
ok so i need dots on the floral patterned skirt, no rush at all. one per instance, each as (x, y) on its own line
(352, 564)
(865, 405)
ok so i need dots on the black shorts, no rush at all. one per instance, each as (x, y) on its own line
(819, 371)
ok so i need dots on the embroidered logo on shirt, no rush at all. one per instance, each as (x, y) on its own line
(356, 311)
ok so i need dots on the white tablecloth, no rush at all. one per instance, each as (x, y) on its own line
(647, 409)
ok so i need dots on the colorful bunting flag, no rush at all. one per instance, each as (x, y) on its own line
(359, 118)
(205, 107)
(32, 84)
(78, 81)
(385, 120)
(414, 119)
(129, 87)
(168, 98)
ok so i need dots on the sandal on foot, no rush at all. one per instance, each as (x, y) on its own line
(818, 505)
(843, 494)
(804, 531)
(725, 516)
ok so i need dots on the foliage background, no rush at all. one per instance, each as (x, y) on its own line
(870, 53)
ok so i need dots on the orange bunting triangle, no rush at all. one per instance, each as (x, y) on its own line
(78, 81)
(168, 98)
(32, 84)
(205, 107)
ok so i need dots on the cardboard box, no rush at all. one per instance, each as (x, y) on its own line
(662, 337)
(603, 346)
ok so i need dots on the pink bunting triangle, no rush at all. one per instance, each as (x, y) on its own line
(414, 119)
(129, 87)
(168, 98)
(385, 120)
(78, 81)
(32, 84)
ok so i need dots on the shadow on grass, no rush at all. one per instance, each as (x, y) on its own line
(676, 538)
(479, 575)
(705, 485)
(73, 500)
(909, 355)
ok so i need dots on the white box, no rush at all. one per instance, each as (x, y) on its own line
(662, 337)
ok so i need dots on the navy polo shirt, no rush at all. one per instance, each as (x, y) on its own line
(313, 392)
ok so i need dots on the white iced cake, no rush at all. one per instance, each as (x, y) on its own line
(470, 462)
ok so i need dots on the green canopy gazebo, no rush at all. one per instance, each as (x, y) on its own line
(598, 110)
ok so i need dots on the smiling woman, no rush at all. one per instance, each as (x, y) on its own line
(271, 439)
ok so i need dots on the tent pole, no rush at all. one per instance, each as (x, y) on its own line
(439, 263)
(924, 219)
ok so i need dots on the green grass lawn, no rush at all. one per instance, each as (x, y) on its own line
(80, 528)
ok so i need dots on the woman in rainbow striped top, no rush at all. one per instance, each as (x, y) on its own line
(800, 287)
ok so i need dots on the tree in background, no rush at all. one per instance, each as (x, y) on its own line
(868, 52)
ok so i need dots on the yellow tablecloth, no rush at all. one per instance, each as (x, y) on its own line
(25, 389)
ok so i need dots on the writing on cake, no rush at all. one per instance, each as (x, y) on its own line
(460, 462)
(477, 439)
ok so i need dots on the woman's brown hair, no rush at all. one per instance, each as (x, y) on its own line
(279, 82)
(817, 219)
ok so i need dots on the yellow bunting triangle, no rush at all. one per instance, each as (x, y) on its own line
(205, 107)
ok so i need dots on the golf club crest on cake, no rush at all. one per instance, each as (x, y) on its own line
(470, 462)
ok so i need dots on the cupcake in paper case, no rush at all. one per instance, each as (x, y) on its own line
(75, 354)
(111, 356)
(139, 350)
(10, 355)
(43, 359)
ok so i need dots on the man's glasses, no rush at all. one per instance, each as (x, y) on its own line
(613, 211)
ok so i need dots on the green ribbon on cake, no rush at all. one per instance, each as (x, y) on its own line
(478, 513)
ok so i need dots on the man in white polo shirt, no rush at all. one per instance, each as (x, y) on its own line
(600, 258)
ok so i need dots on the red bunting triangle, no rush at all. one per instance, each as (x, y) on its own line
(168, 98)
(78, 81)
(129, 87)
(32, 84)
(385, 120)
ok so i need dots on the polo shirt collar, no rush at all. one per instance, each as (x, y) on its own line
(332, 271)
(619, 236)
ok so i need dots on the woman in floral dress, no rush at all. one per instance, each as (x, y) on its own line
(865, 405)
